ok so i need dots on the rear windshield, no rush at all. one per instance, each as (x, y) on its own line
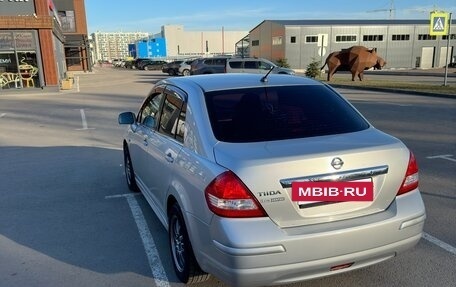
(279, 113)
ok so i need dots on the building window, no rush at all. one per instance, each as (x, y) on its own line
(401, 37)
(346, 38)
(368, 38)
(293, 39)
(426, 37)
(68, 21)
(255, 42)
(277, 40)
(311, 39)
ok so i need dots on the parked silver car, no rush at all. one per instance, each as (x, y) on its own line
(255, 65)
(185, 68)
(217, 156)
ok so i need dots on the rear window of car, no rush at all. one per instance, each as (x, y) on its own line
(279, 113)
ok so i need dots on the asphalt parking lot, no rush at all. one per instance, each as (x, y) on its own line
(67, 217)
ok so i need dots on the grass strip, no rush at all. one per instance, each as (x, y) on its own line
(436, 88)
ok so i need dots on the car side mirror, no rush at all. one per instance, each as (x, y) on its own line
(127, 118)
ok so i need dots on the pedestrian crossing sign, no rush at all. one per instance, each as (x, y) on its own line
(439, 23)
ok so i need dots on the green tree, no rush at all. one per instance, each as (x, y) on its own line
(283, 62)
(313, 69)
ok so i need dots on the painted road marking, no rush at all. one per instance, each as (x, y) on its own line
(155, 264)
(443, 156)
(106, 147)
(122, 195)
(2, 115)
(439, 243)
(84, 121)
(395, 104)
(77, 85)
(381, 103)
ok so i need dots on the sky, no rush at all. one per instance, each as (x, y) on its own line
(235, 15)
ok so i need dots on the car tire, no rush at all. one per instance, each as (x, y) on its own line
(186, 72)
(183, 258)
(129, 172)
(146, 68)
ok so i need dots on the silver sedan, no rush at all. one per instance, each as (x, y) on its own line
(249, 174)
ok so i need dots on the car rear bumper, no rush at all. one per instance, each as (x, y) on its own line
(256, 252)
(300, 271)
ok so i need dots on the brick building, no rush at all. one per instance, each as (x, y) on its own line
(40, 42)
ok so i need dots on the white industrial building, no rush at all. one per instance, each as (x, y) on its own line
(181, 43)
(402, 43)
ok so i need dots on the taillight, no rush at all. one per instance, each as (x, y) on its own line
(227, 196)
(410, 181)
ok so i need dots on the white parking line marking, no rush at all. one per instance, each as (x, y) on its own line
(439, 243)
(155, 264)
(108, 147)
(122, 195)
(443, 156)
(2, 115)
(84, 121)
(395, 104)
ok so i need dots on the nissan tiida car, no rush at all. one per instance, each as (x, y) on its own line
(217, 156)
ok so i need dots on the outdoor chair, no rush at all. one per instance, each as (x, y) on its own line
(8, 78)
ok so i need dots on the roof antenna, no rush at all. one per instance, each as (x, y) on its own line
(265, 78)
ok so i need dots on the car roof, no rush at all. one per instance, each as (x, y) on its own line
(247, 59)
(214, 57)
(217, 82)
(251, 59)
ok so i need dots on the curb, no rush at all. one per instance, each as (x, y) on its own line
(388, 90)
(451, 73)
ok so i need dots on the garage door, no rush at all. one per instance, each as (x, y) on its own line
(427, 55)
(443, 53)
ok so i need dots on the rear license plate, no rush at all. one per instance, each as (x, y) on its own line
(313, 193)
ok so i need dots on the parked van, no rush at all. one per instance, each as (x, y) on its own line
(208, 65)
(254, 66)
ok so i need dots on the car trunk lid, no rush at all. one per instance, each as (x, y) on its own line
(269, 168)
